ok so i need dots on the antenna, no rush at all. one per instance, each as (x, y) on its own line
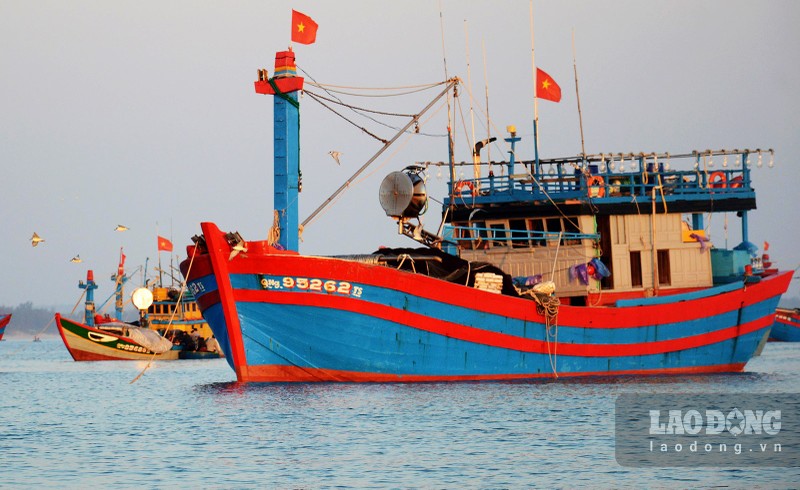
(160, 277)
(475, 167)
(535, 99)
(577, 95)
(488, 119)
(444, 54)
(450, 142)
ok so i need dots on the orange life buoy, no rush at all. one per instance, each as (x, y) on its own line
(459, 187)
(597, 186)
(736, 182)
(718, 180)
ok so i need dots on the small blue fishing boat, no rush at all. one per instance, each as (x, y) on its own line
(787, 325)
(4, 320)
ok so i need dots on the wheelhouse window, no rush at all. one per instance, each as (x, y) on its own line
(536, 225)
(519, 233)
(664, 275)
(553, 226)
(636, 269)
(570, 225)
(473, 235)
(499, 236)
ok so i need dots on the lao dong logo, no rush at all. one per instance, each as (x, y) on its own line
(708, 429)
(714, 422)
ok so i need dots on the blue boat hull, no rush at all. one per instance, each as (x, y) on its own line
(284, 317)
(786, 327)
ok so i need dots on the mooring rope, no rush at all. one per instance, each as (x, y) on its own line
(274, 233)
(548, 307)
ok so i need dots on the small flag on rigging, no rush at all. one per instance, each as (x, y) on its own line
(546, 87)
(121, 267)
(164, 245)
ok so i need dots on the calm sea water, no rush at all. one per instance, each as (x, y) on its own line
(184, 424)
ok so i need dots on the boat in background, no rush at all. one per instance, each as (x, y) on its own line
(177, 317)
(787, 325)
(166, 329)
(555, 268)
(101, 338)
(4, 320)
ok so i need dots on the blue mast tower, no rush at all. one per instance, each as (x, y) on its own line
(89, 286)
(120, 278)
(284, 86)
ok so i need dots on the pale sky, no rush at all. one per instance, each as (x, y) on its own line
(144, 113)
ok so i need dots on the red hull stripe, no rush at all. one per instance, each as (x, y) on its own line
(574, 317)
(281, 373)
(80, 355)
(63, 335)
(291, 264)
(473, 299)
(788, 323)
(207, 300)
(494, 339)
(219, 251)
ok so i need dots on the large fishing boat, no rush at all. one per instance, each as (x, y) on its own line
(4, 320)
(787, 325)
(170, 327)
(592, 265)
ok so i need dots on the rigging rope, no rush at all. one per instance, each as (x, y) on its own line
(547, 306)
(362, 128)
(360, 111)
(274, 233)
(350, 106)
(356, 109)
(174, 311)
(353, 181)
(409, 89)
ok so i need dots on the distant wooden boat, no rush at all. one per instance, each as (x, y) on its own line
(3, 323)
(165, 330)
(787, 325)
(178, 318)
(113, 341)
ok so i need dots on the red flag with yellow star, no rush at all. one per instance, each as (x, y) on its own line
(304, 29)
(164, 244)
(546, 87)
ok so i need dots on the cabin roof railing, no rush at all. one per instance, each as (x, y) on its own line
(613, 177)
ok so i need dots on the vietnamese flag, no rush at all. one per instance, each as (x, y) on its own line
(164, 244)
(304, 29)
(121, 268)
(546, 87)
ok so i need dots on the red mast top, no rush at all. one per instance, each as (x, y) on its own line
(285, 79)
